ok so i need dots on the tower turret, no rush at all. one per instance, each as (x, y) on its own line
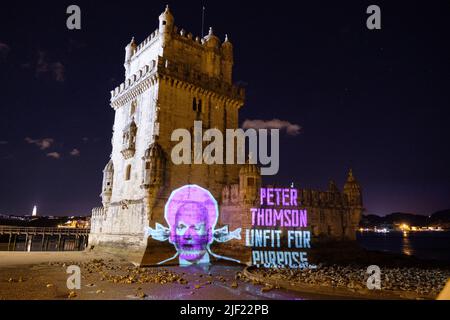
(213, 61)
(227, 60)
(332, 187)
(166, 23)
(154, 165)
(211, 40)
(249, 183)
(130, 49)
(107, 185)
(129, 140)
(227, 49)
(353, 190)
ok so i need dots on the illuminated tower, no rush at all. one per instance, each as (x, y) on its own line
(352, 190)
(171, 80)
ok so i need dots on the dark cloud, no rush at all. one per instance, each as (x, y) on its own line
(54, 155)
(75, 152)
(7, 157)
(4, 51)
(58, 70)
(291, 129)
(41, 143)
(54, 69)
(73, 45)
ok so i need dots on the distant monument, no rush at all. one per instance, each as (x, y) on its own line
(34, 213)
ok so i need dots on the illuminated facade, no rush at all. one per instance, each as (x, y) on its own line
(171, 80)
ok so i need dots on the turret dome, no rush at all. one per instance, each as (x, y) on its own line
(211, 40)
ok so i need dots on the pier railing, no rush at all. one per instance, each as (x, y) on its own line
(43, 230)
(47, 238)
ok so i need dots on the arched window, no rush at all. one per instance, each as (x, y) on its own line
(197, 105)
(128, 173)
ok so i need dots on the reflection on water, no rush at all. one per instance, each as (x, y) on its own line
(426, 245)
(406, 245)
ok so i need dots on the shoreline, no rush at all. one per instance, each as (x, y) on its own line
(42, 276)
(274, 279)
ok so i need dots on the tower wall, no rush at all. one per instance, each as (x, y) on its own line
(163, 76)
(171, 80)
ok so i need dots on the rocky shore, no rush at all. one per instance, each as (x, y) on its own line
(398, 282)
(43, 276)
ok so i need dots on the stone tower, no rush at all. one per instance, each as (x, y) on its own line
(352, 190)
(171, 80)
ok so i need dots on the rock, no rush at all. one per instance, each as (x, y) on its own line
(72, 294)
(267, 288)
(234, 284)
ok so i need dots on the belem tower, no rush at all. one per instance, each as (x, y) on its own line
(171, 80)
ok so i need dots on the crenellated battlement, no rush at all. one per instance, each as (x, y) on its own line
(152, 38)
(178, 34)
(317, 198)
(305, 197)
(173, 71)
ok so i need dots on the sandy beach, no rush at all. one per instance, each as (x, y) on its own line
(43, 276)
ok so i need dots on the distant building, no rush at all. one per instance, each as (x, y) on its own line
(81, 223)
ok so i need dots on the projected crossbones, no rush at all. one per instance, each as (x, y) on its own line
(192, 213)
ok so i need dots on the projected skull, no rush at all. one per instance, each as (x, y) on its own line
(191, 232)
(191, 213)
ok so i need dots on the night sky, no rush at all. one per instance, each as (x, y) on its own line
(377, 101)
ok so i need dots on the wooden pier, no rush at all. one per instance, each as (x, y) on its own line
(77, 236)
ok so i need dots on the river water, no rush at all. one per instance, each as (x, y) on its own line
(424, 245)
